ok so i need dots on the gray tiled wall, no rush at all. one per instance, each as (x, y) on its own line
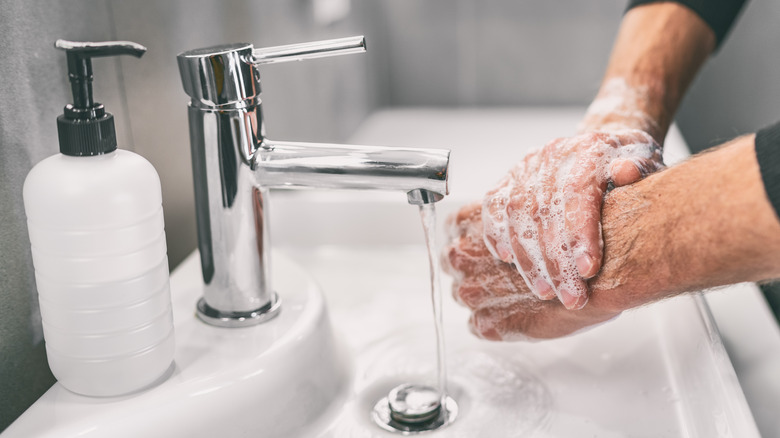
(738, 91)
(496, 52)
(541, 52)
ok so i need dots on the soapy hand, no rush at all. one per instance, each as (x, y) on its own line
(544, 215)
(503, 308)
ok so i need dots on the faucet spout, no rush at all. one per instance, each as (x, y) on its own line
(331, 166)
(422, 197)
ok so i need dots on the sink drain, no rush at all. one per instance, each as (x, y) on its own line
(409, 409)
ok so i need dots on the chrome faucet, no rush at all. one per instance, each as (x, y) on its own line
(234, 166)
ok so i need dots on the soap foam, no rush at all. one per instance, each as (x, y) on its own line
(489, 287)
(621, 103)
(539, 212)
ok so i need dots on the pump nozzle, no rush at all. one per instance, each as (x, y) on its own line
(86, 128)
(80, 56)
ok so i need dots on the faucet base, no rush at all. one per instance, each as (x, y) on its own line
(220, 318)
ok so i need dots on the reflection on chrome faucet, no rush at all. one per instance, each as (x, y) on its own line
(234, 165)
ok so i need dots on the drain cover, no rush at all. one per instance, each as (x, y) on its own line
(410, 409)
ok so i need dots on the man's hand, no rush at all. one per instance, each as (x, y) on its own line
(544, 216)
(503, 309)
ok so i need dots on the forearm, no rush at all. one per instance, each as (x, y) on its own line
(704, 223)
(658, 50)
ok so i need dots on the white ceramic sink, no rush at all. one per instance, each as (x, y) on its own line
(316, 370)
(660, 371)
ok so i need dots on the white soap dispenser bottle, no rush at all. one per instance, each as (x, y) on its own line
(95, 220)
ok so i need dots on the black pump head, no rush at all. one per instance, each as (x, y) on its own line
(85, 128)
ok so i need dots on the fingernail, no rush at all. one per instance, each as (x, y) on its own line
(543, 290)
(456, 294)
(572, 302)
(568, 300)
(585, 266)
(504, 254)
(491, 335)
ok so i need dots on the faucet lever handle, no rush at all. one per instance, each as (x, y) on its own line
(311, 50)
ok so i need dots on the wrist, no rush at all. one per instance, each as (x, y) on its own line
(701, 224)
(622, 105)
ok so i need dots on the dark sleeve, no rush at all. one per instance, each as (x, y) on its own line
(768, 155)
(718, 14)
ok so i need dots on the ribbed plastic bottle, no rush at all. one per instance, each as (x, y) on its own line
(95, 220)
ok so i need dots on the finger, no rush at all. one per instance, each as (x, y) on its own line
(546, 239)
(454, 290)
(495, 214)
(538, 320)
(456, 293)
(445, 260)
(491, 283)
(458, 222)
(494, 221)
(506, 320)
(571, 243)
(472, 295)
(549, 322)
(482, 324)
(525, 242)
(625, 171)
(573, 292)
(458, 262)
(477, 330)
(531, 320)
(468, 214)
(582, 218)
(569, 287)
(630, 170)
(538, 215)
(641, 156)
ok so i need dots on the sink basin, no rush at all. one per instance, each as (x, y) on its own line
(657, 371)
(277, 379)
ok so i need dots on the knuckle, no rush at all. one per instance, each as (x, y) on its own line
(482, 324)
(456, 263)
(456, 293)
(445, 259)
(469, 296)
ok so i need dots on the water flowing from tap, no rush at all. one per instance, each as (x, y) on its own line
(428, 217)
(413, 408)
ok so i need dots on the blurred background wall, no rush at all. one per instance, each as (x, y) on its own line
(450, 53)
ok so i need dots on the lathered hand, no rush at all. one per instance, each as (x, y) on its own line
(503, 308)
(704, 223)
(544, 216)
